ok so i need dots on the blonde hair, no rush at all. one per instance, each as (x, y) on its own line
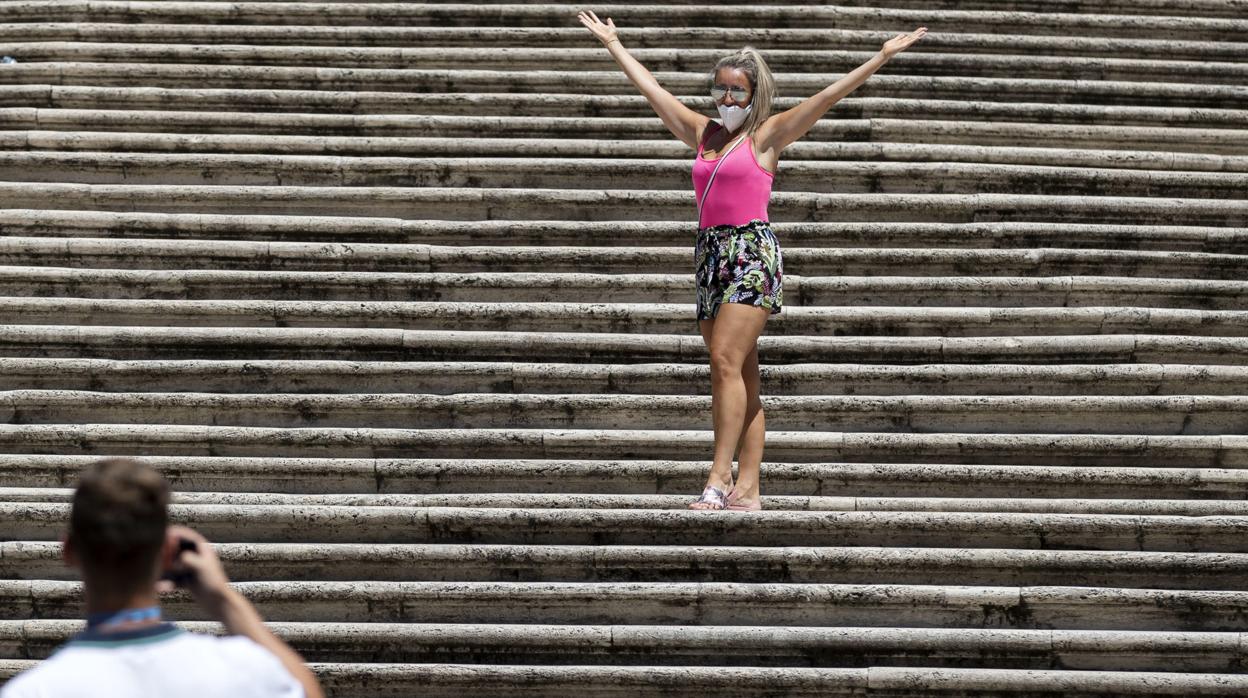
(762, 86)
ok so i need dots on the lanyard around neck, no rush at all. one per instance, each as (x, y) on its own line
(113, 619)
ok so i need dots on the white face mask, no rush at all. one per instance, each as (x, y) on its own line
(733, 116)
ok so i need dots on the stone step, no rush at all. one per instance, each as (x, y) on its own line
(674, 527)
(1106, 92)
(1190, 28)
(587, 56)
(344, 112)
(181, 343)
(369, 680)
(998, 415)
(1145, 507)
(573, 287)
(1197, 8)
(393, 147)
(752, 645)
(691, 604)
(119, 226)
(330, 376)
(631, 318)
(1132, 101)
(237, 255)
(624, 135)
(41, 560)
(1207, 451)
(472, 203)
(588, 173)
(479, 479)
(451, 680)
(640, 38)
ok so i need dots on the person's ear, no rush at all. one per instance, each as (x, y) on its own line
(68, 553)
(169, 549)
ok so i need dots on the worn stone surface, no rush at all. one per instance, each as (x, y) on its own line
(713, 603)
(397, 297)
(614, 234)
(443, 377)
(1171, 415)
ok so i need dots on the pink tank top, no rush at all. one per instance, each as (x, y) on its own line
(741, 190)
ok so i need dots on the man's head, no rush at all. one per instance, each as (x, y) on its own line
(117, 526)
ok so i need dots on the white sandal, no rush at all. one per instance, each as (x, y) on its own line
(711, 495)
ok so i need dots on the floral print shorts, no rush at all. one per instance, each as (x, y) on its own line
(738, 264)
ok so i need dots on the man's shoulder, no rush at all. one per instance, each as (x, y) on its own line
(22, 685)
(207, 660)
(240, 658)
(51, 677)
(258, 669)
(232, 647)
(55, 675)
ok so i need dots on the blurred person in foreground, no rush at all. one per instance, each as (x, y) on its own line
(120, 538)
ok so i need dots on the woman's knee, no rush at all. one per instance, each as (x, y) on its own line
(726, 362)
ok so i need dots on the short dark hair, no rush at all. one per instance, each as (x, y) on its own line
(117, 524)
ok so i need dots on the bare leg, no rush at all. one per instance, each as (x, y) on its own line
(731, 338)
(750, 447)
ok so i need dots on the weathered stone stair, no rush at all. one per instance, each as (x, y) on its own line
(398, 296)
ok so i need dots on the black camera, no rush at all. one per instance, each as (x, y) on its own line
(186, 577)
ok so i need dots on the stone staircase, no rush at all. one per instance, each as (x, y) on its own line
(399, 298)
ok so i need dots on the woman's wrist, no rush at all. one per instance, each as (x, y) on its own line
(607, 44)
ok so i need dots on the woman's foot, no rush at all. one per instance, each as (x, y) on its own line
(712, 498)
(739, 501)
(714, 495)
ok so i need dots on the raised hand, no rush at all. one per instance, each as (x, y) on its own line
(604, 32)
(209, 582)
(901, 42)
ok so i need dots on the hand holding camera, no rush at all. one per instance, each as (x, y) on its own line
(191, 563)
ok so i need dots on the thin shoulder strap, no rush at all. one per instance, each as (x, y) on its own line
(718, 163)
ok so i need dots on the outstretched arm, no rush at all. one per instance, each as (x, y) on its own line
(684, 123)
(784, 128)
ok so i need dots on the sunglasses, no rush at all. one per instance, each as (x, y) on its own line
(738, 93)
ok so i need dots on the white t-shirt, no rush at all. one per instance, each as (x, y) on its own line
(159, 661)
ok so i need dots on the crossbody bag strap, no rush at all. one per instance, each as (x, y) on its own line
(706, 192)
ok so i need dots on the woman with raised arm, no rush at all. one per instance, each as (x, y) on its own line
(739, 267)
